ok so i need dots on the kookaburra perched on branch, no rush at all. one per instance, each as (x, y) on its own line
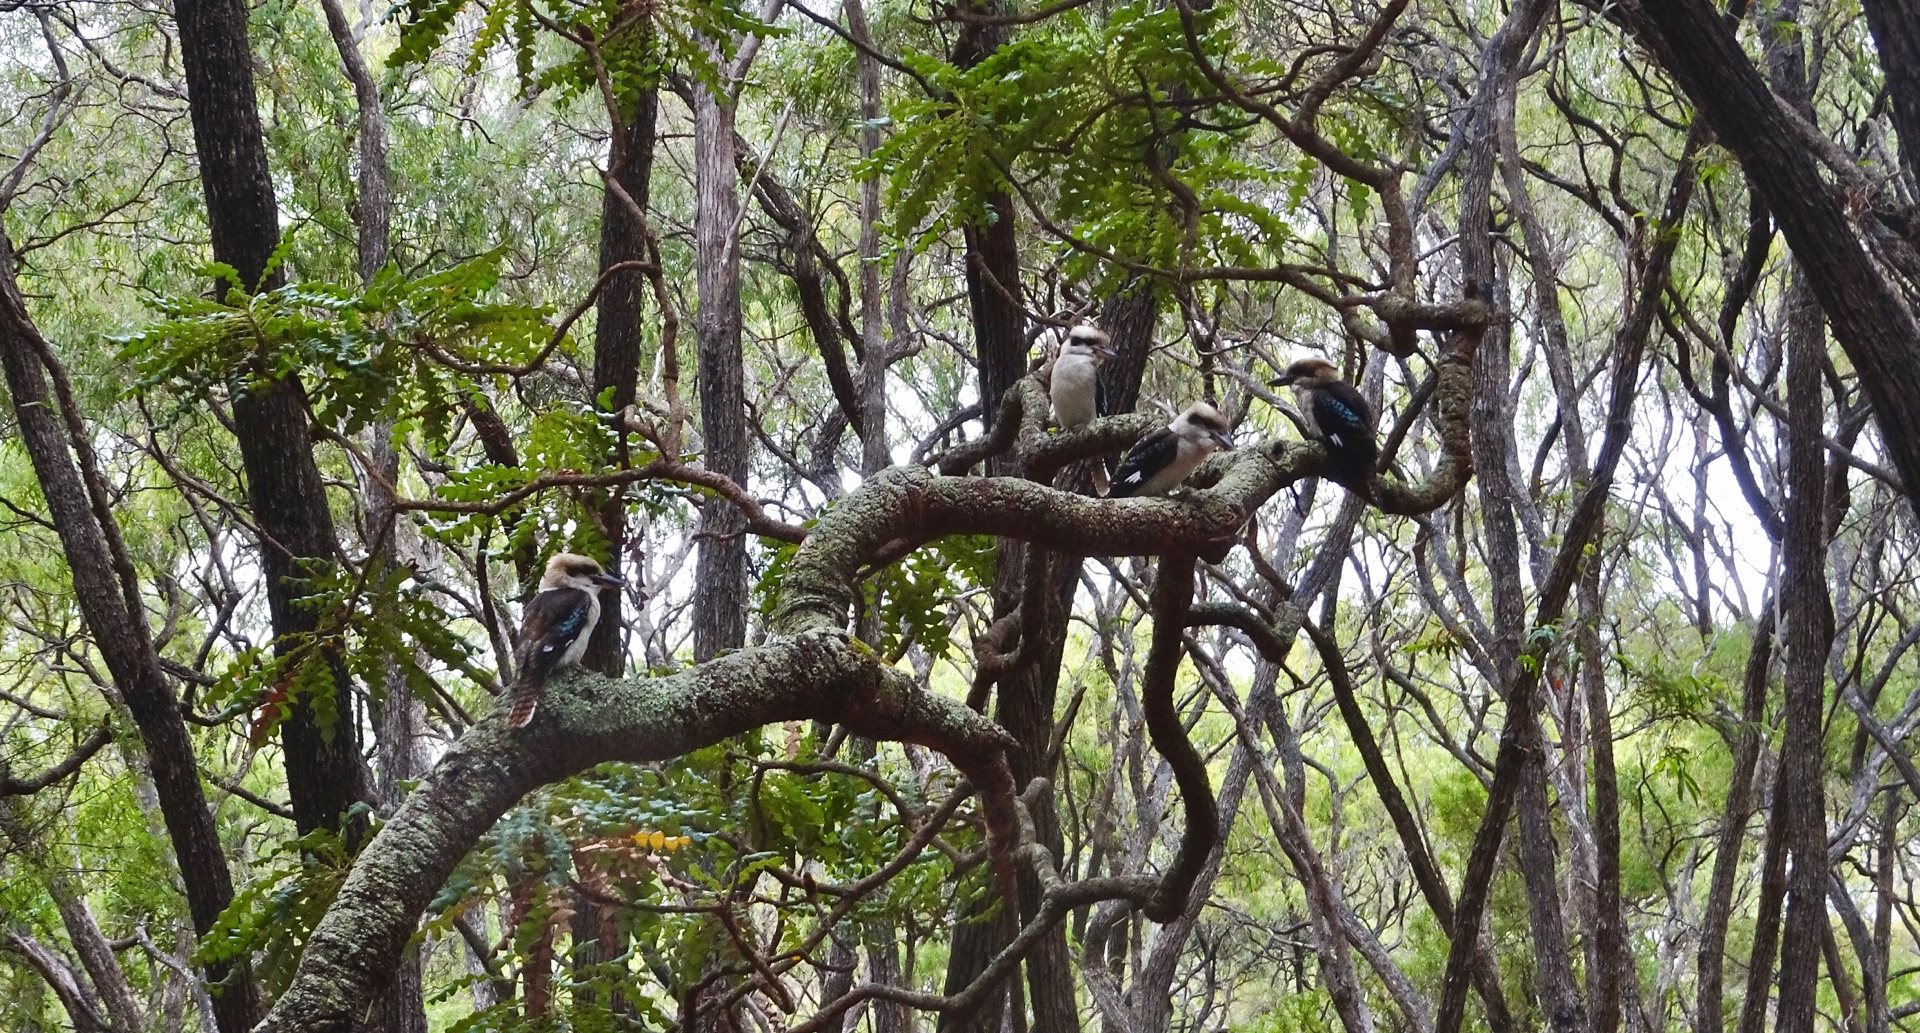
(556, 627)
(1340, 417)
(1075, 386)
(1161, 460)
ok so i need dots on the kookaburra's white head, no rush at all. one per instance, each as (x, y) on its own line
(572, 570)
(1089, 341)
(1312, 372)
(1203, 425)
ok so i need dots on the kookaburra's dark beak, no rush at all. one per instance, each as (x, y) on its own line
(1225, 441)
(1283, 380)
(609, 580)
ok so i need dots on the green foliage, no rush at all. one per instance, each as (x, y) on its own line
(1090, 107)
(914, 594)
(365, 354)
(377, 620)
(272, 918)
(1670, 694)
(636, 43)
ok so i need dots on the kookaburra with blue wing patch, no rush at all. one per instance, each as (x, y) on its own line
(1340, 418)
(556, 627)
(1161, 460)
(1075, 389)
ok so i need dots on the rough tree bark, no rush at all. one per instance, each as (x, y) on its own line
(1024, 699)
(1807, 623)
(720, 602)
(1492, 445)
(397, 716)
(616, 334)
(1895, 25)
(284, 491)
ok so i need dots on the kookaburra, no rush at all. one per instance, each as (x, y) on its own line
(1075, 386)
(1340, 417)
(1161, 460)
(556, 627)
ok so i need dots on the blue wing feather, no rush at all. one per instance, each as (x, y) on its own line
(554, 619)
(1345, 422)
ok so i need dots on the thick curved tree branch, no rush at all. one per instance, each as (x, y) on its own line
(815, 671)
(587, 719)
(1172, 595)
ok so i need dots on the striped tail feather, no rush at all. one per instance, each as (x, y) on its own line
(526, 699)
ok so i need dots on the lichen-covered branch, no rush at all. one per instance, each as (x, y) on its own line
(587, 719)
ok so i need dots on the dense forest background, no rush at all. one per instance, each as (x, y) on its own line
(323, 327)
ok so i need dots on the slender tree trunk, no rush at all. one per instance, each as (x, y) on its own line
(1024, 703)
(1895, 25)
(1611, 964)
(373, 205)
(1492, 427)
(1766, 921)
(74, 996)
(284, 489)
(880, 938)
(1711, 958)
(1886, 854)
(720, 593)
(397, 716)
(110, 988)
(617, 337)
(1808, 633)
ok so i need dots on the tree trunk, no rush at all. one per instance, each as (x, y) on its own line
(397, 717)
(284, 489)
(96, 953)
(1895, 25)
(1492, 429)
(73, 995)
(720, 592)
(1612, 965)
(598, 938)
(1024, 703)
(1808, 624)
(1711, 960)
(720, 601)
(616, 338)
(1766, 920)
